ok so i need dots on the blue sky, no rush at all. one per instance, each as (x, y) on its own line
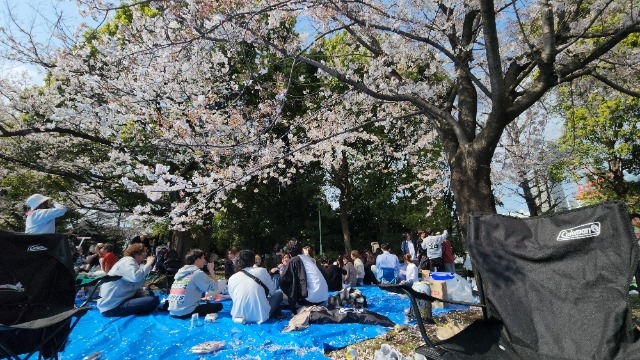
(38, 16)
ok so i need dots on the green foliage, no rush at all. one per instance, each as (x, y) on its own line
(603, 136)
(17, 188)
(264, 213)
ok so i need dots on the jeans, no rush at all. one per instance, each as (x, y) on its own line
(135, 306)
(450, 268)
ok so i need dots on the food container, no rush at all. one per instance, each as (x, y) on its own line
(211, 318)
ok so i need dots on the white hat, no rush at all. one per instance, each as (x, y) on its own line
(35, 200)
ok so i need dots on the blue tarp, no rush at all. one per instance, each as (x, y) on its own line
(158, 336)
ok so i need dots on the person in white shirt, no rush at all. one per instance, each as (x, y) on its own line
(41, 218)
(433, 245)
(126, 296)
(359, 265)
(411, 272)
(253, 294)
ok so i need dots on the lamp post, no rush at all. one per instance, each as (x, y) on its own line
(320, 228)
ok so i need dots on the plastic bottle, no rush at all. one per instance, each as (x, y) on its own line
(407, 316)
(194, 320)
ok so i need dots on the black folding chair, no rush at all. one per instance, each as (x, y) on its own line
(37, 291)
(553, 287)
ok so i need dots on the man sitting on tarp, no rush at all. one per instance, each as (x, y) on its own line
(302, 281)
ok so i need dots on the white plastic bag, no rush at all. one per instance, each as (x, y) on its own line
(459, 289)
(388, 352)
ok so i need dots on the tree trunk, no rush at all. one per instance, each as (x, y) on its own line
(344, 224)
(529, 198)
(180, 242)
(342, 182)
(471, 185)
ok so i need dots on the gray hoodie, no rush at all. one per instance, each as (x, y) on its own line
(189, 284)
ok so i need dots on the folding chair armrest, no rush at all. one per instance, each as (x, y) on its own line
(96, 284)
(406, 289)
(100, 280)
(48, 321)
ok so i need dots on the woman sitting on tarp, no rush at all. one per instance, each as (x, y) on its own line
(126, 296)
(302, 281)
(189, 284)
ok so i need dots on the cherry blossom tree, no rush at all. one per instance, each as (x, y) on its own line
(527, 162)
(467, 69)
(178, 74)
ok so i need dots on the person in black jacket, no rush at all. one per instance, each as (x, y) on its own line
(332, 274)
(302, 281)
(230, 262)
(369, 276)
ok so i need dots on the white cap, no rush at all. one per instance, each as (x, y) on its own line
(35, 200)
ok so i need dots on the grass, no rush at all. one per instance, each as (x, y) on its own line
(406, 338)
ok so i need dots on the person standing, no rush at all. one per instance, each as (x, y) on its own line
(42, 215)
(433, 245)
(447, 256)
(423, 259)
(189, 283)
(253, 294)
(407, 247)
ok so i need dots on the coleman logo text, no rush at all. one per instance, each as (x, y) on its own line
(580, 232)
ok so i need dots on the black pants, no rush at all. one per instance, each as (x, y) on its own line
(202, 310)
(436, 264)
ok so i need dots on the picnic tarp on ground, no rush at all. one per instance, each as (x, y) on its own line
(158, 336)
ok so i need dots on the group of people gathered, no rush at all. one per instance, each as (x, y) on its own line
(256, 292)
(98, 257)
(431, 251)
